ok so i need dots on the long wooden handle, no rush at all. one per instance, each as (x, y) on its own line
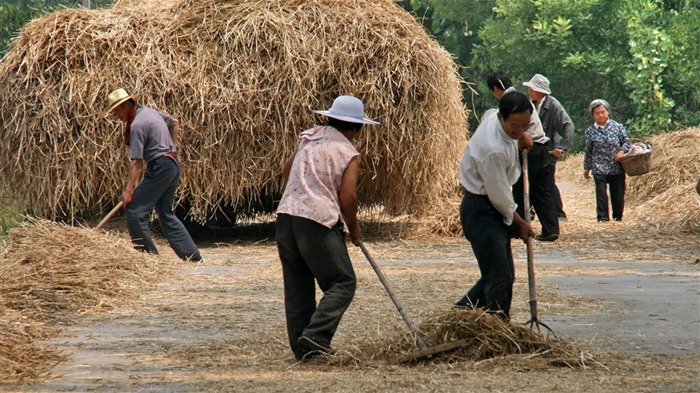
(110, 215)
(406, 318)
(530, 257)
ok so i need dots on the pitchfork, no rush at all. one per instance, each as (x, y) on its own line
(534, 321)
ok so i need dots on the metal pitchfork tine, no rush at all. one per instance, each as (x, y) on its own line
(534, 321)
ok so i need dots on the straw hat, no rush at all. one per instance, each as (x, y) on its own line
(347, 108)
(117, 97)
(539, 83)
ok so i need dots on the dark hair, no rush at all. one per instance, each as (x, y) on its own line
(498, 79)
(514, 102)
(342, 126)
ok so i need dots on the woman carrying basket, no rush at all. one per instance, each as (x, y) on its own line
(605, 142)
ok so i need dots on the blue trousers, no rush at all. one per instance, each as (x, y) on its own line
(309, 251)
(490, 240)
(157, 189)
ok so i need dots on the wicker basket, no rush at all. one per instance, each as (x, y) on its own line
(637, 164)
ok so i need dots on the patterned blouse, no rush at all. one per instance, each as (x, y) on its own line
(602, 143)
(314, 180)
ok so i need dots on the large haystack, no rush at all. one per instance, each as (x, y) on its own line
(242, 77)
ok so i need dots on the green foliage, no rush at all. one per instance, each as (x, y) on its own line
(16, 13)
(683, 77)
(650, 48)
(640, 55)
(10, 215)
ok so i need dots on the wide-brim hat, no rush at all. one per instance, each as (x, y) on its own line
(347, 108)
(115, 98)
(539, 83)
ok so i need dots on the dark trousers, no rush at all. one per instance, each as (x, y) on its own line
(309, 251)
(554, 190)
(490, 240)
(157, 189)
(617, 196)
(539, 169)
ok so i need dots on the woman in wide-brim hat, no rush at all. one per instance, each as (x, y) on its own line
(317, 211)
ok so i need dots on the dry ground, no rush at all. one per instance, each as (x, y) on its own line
(220, 326)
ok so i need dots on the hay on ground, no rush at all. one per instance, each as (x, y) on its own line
(55, 272)
(50, 274)
(22, 357)
(487, 338)
(242, 77)
(490, 337)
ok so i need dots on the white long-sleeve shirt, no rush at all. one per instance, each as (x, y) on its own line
(490, 165)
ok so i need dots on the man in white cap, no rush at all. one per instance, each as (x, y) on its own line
(317, 211)
(150, 136)
(557, 126)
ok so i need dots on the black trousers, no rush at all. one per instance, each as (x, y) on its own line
(539, 168)
(309, 251)
(617, 196)
(490, 240)
(554, 190)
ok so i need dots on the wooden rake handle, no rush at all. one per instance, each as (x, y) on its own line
(404, 315)
(110, 215)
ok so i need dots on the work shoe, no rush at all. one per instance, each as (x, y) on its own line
(547, 238)
(314, 346)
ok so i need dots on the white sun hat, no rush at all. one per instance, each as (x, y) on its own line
(539, 83)
(347, 108)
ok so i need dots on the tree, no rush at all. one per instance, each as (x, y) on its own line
(16, 13)
(626, 51)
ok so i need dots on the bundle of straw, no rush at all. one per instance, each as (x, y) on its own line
(489, 337)
(242, 77)
(54, 272)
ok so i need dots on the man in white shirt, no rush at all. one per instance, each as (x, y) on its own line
(539, 166)
(488, 170)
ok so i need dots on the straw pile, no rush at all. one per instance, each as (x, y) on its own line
(665, 198)
(241, 76)
(52, 273)
(487, 338)
(490, 337)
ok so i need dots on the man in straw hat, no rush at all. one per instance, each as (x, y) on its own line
(317, 211)
(487, 171)
(557, 126)
(150, 137)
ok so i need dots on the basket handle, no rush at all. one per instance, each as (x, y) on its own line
(637, 140)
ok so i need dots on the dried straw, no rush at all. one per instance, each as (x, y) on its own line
(50, 274)
(487, 338)
(54, 272)
(241, 77)
(21, 357)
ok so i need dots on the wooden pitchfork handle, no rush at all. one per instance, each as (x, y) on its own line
(110, 215)
(534, 320)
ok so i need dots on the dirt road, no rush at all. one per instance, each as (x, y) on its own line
(219, 326)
